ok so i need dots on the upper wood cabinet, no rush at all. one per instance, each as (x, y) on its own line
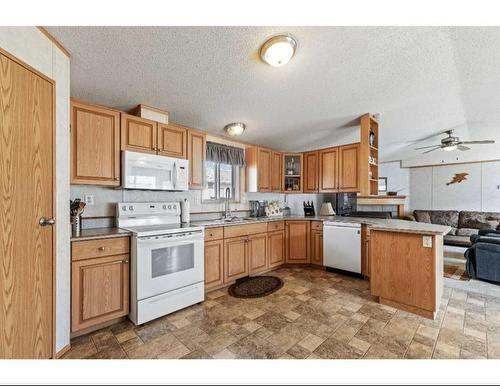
(95, 145)
(196, 153)
(328, 170)
(311, 171)
(172, 140)
(276, 170)
(339, 169)
(349, 168)
(297, 242)
(138, 134)
(263, 170)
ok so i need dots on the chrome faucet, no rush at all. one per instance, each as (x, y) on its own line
(227, 210)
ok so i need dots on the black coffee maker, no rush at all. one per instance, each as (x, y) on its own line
(257, 208)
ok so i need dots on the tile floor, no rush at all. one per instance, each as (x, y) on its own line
(316, 315)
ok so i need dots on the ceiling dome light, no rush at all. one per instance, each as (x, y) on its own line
(278, 50)
(235, 129)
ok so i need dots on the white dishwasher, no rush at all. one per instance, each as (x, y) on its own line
(342, 246)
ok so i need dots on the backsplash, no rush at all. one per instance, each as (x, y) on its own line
(102, 213)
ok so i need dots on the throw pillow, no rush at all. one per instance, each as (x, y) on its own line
(423, 217)
(493, 222)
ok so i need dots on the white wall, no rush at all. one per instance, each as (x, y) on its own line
(398, 178)
(35, 49)
(480, 191)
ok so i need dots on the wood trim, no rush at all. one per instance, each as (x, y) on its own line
(54, 40)
(92, 104)
(408, 308)
(29, 68)
(450, 163)
(62, 351)
(147, 107)
(96, 327)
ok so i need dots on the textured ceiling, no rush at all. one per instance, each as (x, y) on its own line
(422, 80)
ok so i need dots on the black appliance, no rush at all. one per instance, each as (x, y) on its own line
(257, 208)
(309, 209)
(344, 203)
(370, 214)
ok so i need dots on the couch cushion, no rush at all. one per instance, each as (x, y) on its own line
(422, 216)
(457, 241)
(445, 217)
(467, 232)
(477, 220)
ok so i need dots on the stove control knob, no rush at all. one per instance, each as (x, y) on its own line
(170, 207)
(130, 207)
(175, 206)
(164, 207)
(124, 208)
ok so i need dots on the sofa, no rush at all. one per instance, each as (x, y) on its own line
(483, 257)
(463, 224)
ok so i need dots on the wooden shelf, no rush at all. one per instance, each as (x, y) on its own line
(292, 175)
(373, 148)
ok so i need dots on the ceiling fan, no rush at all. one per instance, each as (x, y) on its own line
(451, 143)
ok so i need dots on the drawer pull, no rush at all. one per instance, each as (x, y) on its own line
(102, 248)
(125, 261)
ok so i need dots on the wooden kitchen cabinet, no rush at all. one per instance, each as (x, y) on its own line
(328, 170)
(297, 242)
(349, 168)
(95, 145)
(214, 263)
(257, 253)
(264, 172)
(196, 152)
(235, 258)
(365, 251)
(276, 249)
(276, 170)
(172, 140)
(99, 285)
(317, 243)
(311, 171)
(138, 134)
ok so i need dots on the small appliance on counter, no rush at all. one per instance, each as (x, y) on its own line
(309, 209)
(345, 203)
(257, 208)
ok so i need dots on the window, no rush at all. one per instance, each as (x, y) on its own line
(220, 176)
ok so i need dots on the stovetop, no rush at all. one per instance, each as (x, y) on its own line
(161, 229)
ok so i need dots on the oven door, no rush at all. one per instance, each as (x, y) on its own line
(169, 262)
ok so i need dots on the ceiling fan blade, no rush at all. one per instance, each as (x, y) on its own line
(463, 148)
(428, 151)
(478, 142)
(426, 147)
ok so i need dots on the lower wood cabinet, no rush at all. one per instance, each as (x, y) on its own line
(365, 251)
(235, 258)
(276, 249)
(100, 290)
(297, 242)
(214, 263)
(317, 247)
(257, 253)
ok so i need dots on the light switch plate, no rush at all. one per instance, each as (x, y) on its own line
(427, 241)
(89, 199)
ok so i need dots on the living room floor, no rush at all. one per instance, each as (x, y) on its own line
(316, 315)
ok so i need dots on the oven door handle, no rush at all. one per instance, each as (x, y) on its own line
(170, 241)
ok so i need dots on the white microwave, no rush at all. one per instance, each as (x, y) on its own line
(153, 172)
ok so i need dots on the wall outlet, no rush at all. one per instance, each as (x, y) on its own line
(427, 241)
(89, 199)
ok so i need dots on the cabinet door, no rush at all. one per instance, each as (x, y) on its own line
(297, 236)
(214, 263)
(264, 171)
(348, 168)
(100, 290)
(328, 170)
(235, 258)
(365, 251)
(317, 247)
(196, 150)
(276, 172)
(311, 171)
(95, 145)
(138, 134)
(276, 250)
(172, 140)
(257, 253)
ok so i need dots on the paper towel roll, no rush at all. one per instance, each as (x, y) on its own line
(185, 217)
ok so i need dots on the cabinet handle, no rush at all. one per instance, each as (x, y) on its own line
(102, 248)
(117, 178)
(125, 261)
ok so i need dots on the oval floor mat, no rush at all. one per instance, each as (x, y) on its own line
(255, 287)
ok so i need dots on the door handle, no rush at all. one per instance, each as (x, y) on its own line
(46, 221)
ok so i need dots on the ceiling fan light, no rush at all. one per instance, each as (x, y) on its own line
(449, 148)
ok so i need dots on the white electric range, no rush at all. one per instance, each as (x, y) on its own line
(167, 259)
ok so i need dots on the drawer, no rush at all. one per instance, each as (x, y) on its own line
(89, 249)
(244, 230)
(317, 225)
(214, 233)
(275, 226)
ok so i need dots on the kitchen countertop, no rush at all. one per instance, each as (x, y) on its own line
(100, 233)
(373, 223)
